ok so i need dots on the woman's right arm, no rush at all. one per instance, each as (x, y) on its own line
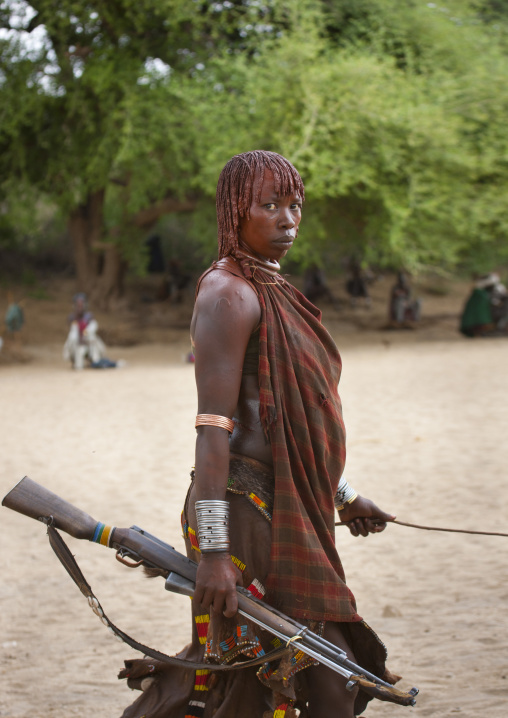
(226, 313)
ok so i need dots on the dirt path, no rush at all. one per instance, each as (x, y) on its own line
(426, 418)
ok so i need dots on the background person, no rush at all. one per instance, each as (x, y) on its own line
(357, 284)
(486, 310)
(83, 344)
(14, 319)
(403, 308)
(316, 287)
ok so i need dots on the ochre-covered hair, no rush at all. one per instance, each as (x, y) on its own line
(235, 187)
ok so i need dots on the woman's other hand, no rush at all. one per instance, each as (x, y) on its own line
(363, 517)
(216, 581)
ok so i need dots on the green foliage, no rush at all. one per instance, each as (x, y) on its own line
(32, 220)
(101, 101)
(393, 111)
(404, 161)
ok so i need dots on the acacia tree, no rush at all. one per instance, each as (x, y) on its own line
(393, 112)
(95, 114)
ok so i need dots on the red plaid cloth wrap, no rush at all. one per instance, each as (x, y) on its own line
(301, 412)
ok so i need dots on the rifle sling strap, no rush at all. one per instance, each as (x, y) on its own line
(69, 563)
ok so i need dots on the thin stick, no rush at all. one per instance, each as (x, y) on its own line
(435, 528)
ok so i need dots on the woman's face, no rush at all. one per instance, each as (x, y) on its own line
(271, 229)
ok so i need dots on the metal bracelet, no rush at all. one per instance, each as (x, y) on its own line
(215, 420)
(345, 494)
(212, 517)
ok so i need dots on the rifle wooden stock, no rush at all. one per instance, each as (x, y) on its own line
(33, 500)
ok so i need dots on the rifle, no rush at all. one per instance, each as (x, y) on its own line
(135, 547)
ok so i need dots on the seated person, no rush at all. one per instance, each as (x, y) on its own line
(178, 281)
(14, 318)
(499, 307)
(83, 342)
(356, 285)
(403, 308)
(486, 310)
(315, 285)
(174, 284)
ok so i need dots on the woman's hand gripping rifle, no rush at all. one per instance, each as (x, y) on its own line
(134, 547)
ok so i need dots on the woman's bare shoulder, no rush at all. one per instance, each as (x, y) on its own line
(224, 296)
(218, 283)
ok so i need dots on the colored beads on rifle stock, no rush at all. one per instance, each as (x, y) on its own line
(102, 534)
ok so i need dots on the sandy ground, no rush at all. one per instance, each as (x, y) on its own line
(426, 413)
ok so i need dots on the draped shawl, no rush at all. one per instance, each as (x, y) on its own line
(301, 413)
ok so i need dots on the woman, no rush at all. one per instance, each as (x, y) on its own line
(270, 452)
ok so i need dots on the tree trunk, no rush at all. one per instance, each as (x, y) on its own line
(109, 286)
(85, 229)
(99, 267)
